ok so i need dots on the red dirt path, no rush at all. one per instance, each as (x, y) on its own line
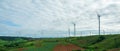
(69, 47)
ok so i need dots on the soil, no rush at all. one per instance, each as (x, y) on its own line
(69, 47)
(21, 49)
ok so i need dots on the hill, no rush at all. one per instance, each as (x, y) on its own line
(88, 43)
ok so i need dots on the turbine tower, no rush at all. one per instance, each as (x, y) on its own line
(69, 31)
(104, 32)
(98, 23)
(74, 29)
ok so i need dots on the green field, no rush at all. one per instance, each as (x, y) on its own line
(89, 43)
(47, 46)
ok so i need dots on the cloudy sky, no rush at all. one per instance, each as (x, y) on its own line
(54, 17)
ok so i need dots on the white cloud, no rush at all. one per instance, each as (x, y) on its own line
(57, 15)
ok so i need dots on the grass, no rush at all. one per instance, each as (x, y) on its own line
(47, 46)
(108, 43)
(96, 43)
(90, 43)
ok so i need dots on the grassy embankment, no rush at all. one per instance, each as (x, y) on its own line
(94, 43)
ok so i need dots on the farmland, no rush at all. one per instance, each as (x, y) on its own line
(87, 43)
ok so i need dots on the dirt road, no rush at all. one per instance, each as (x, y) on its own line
(69, 47)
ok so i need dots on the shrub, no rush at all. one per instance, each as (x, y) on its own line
(2, 49)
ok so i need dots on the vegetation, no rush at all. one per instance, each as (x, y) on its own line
(98, 43)
(90, 43)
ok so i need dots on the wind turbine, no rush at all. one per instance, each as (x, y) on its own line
(99, 23)
(74, 24)
(99, 26)
(90, 33)
(42, 32)
(19, 33)
(69, 32)
(81, 34)
(104, 32)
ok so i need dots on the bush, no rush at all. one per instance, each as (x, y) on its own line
(16, 43)
(99, 39)
(2, 49)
